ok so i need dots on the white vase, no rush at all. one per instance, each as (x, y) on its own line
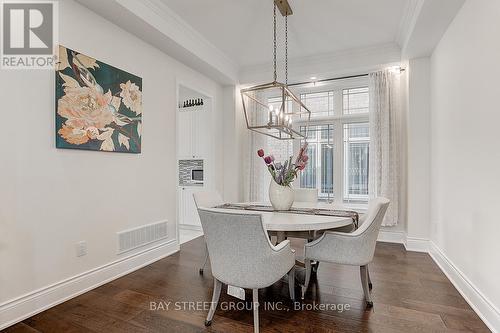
(281, 197)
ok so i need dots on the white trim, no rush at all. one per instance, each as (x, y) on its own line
(408, 22)
(155, 23)
(30, 304)
(391, 236)
(484, 308)
(424, 25)
(190, 227)
(326, 65)
(416, 244)
(400, 237)
(481, 305)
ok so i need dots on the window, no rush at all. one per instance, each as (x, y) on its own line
(356, 155)
(355, 100)
(339, 142)
(319, 103)
(319, 170)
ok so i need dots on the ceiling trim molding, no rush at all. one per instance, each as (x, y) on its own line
(408, 21)
(156, 24)
(173, 26)
(424, 24)
(327, 64)
(169, 15)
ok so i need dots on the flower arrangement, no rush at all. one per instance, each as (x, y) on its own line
(285, 173)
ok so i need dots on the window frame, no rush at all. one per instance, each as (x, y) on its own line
(337, 120)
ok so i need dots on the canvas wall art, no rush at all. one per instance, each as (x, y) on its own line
(98, 106)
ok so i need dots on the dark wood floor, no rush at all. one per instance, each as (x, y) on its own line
(410, 294)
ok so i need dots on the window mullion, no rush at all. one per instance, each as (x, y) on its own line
(338, 162)
(338, 150)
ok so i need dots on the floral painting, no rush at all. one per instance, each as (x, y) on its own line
(99, 107)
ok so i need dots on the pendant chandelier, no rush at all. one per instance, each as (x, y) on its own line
(271, 108)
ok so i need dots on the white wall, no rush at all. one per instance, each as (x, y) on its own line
(52, 198)
(418, 136)
(465, 157)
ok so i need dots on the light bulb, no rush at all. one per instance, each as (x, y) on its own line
(286, 118)
(290, 121)
(271, 107)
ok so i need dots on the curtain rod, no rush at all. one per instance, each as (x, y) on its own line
(333, 79)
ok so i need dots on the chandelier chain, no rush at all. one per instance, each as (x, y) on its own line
(274, 41)
(286, 49)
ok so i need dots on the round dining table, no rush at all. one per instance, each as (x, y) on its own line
(285, 223)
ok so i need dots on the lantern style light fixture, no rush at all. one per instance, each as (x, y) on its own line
(271, 108)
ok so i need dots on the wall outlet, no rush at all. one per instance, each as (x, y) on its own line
(81, 248)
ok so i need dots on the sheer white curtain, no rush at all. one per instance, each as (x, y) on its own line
(385, 140)
(256, 176)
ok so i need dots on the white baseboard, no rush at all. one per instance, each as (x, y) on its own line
(391, 236)
(400, 237)
(190, 227)
(484, 308)
(416, 244)
(23, 307)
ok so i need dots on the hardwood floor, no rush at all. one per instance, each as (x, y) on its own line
(410, 294)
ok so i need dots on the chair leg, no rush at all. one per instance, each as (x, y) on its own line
(215, 301)
(291, 283)
(307, 277)
(315, 267)
(205, 261)
(370, 285)
(364, 282)
(255, 294)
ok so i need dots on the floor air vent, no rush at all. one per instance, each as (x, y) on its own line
(133, 238)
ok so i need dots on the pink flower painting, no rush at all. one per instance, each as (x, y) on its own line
(99, 107)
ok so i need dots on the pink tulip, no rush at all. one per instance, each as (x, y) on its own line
(305, 158)
(302, 167)
(301, 151)
(260, 152)
(268, 160)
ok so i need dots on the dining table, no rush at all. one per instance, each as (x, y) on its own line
(292, 223)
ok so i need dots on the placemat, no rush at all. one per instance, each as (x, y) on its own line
(305, 211)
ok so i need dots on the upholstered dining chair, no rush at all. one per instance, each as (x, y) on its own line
(241, 255)
(356, 248)
(305, 194)
(206, 199)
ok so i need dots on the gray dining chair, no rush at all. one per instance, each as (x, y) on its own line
(206, 199)
(356, 248)
(241, 255)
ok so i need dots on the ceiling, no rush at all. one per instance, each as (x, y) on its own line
(230, 41)
(242, 29)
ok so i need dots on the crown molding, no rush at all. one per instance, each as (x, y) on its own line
(155, 23)
(408, 21)
(344, 62)
(184, 29)
(424, 24)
